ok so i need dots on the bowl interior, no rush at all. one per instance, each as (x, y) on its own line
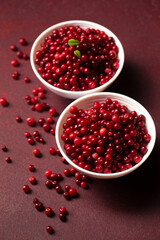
(87, 103)
(84, 24)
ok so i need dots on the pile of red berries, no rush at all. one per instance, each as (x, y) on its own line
(107, 138)
(77, 59)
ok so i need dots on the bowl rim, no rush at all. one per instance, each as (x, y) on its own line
(106, 175)
(58, 25)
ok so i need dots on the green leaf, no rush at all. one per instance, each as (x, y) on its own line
(73, 42)
(77, 53)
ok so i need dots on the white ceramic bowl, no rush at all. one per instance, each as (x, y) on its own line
(86, 102)
(84, 25)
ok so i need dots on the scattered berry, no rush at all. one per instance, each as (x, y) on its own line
(36, 152)
(3, 102)
(26, 189)
(31, 168)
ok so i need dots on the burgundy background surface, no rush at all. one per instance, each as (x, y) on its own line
(127, 208)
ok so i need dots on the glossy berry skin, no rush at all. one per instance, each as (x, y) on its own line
(26, 189)
(15, 75)
(39, 107)
(26, 79)
(54, 184)
(25, 56)
(58, 152)
(67, 172)
(67, 187)
(78, 175)
(46, 127)
(52, 131)
(32, 180)
(72, 192)
(27, 134)
(83, 184)
(18, 119)
(52, 150)
(35, 200)
(41, 121)
(39, 206)
(49, 229)
(52, 111)
(49, 184)
(22, 41)
(53, 176)
(8, 160)
(30, 121)
(35, 134)
(3, 102)
(31, 168)
(36, 152)
(13, 47)
(67, 195)
(48, 211)
(48, 173)
(59, 176)
(50, 120)
(15, 63)
(58, 189)
(20, 54)
(41, 89)
(31, 141)
(4, 148)
(41, 95)
(62, 217)
(63, 210)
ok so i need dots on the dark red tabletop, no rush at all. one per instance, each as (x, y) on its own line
(127, 208)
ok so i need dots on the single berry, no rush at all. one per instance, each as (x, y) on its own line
(46, 127)
(66, 195)
(31, 168)
(52, 131)
(62, 217)
(52, 150)
(83, 184)
(8, 160)
(67, 172)
(22, 41)
(30, 121)
(49, 229)
(35, 200)
(48, 173)
(18, 119)
(72, 192)
(52, 111)
(13, 47)
(27, 134)
(31, 141)
(48, 211)
(26, 188)
(35, 134)
(63, 210)
(48, 184)
(36, 152)
(39, 206)
(3, 102)
(4, 148)
(32, 180)
(15, 63)
(26, 79)
(58, 189)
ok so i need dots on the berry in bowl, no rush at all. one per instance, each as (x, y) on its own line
(105, 135)
(75, 58)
